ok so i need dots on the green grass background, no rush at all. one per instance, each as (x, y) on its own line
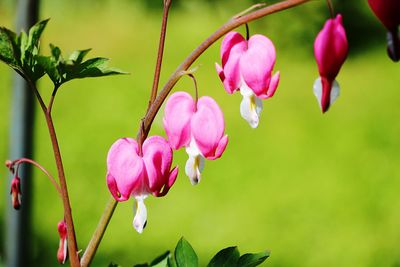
(317, 190)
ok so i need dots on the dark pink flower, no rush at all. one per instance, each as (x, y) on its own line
(130, 174)
(247, 66)
(62, 251)
(16, 192)
(198, 127)
(330, 50)
(388, 12)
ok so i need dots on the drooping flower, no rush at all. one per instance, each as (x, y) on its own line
(330, 50)
(132, 174)
(62, 251)
(388, 12)
(197, 126)
(247, 66)
(16, 192)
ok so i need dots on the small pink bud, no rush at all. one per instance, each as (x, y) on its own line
(330, 50)
(62, 252)
(16, 192)
(9, 165)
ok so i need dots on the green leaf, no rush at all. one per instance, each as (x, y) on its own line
(34, 34)
(77, 56)
(251, 260)
(161, 261)
(49, 65)
(172, 262)
(227, 257)
(9, 48)
(94, 67)
(142, 265)
(55, 52)
(112, 264)
(185, 255)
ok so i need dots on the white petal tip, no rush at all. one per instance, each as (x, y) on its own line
(140, 220)
(317, 89)
(194, 180)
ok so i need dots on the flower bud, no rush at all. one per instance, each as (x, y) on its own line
(16, 192)
(9, 165)
(62, 252)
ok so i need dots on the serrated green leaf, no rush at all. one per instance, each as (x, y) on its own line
(251, 260)
(9, 48)
(185, 256)
(94, 67)
(34, 34)
(227, 257)
(77, 56)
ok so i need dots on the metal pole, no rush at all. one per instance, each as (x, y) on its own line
(18, 227)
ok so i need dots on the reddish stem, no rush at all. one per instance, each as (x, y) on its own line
(72, 244)
(40, 167)
(167, 5)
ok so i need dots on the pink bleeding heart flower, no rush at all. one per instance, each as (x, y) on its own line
(131, 174)
(247, 66)
(197, 126)
(62, 251)
(330, 50)
(388, 12)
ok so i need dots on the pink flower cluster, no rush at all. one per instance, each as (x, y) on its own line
(198, 124)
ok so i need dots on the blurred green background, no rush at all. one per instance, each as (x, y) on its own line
(317, 190)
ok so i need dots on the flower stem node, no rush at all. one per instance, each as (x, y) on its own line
(247, 67)
(130, 174)
(62, 252)
(330, 50)
(198, 126)
(16, 192)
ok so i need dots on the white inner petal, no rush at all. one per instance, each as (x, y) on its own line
(251, 106)
(317, 88)
(140, 220)
(195, 163)
(335, 92)
(65, 250)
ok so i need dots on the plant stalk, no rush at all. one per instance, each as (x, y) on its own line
(156, 80)
(98, 233)
(72, 244)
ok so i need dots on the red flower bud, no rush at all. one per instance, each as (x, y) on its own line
(62, 252)
(16, 192)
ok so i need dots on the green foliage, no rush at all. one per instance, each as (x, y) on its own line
(226, 257)
(60, 70)
(185, 256)
(22, 54)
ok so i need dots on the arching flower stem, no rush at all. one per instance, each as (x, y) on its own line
(18, 162)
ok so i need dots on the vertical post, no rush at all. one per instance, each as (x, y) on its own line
(21, 139)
